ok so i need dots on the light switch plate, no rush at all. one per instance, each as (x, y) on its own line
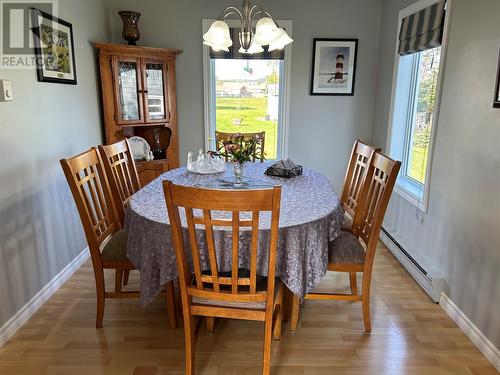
(6, 91)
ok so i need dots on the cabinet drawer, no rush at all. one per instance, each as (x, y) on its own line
(149, 170)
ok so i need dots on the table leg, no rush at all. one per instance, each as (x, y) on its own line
(294, 319)
(171, 310)
(287, 303)
(178, 302)
(210, 324)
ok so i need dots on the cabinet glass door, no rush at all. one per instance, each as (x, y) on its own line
(155, 97)
(129, 105)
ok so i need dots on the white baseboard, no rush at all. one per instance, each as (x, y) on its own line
(484, 345)
(430, 281)
(22, 316)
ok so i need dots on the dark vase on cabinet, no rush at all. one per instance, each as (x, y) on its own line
(139, 99)
(158, 151)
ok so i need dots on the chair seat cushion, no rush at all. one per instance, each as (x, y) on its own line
(115, 250)
(347, 224)
(346, 249)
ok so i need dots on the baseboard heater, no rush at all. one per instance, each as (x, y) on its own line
(427, 278)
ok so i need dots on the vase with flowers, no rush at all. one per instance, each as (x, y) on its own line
(239, 149)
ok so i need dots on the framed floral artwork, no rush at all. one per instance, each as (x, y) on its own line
(54, 48)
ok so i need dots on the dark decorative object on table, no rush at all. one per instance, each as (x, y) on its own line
(54, 48)
(496, 99)
(158, 151)
(130, 26)
(284, 168)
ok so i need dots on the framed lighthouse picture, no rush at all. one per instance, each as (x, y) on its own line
(334, 66)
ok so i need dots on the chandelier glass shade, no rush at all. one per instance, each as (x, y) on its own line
(266, 33)
(218, 36)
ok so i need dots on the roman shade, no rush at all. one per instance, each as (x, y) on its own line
(422, 30)
(234, 53)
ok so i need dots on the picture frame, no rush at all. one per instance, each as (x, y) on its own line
(54, 48)
(333, 69)
(496, 97)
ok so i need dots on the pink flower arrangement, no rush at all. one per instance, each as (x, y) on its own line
(239, 148)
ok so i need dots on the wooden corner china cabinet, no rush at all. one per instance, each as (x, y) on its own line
(139, 99)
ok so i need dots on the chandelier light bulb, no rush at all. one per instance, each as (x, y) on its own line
(281, 42)
(218, 36)
(254, 48)
(217, 48)
(266, 31)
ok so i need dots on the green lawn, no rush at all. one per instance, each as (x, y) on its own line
(252, 111)
(418, 164)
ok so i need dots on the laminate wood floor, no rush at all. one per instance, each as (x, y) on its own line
(411, 335)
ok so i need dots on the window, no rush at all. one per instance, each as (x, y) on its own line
(419, 127)
(248, 96)
(414, 111)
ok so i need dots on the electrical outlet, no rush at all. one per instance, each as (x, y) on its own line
(6, 91)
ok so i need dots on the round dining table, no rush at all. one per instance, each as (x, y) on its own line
(310, 217)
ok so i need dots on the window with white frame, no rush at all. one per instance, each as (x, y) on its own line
(415, 98)
(247, 95)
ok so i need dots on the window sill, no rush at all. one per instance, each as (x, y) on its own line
(411, 192)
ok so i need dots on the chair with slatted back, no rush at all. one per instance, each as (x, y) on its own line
(122, 173)
(238, 293)
(123, 179)
(221, 137)
(346, 252)
(106, 240)
(355, 176)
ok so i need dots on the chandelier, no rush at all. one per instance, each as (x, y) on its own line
(267, 32)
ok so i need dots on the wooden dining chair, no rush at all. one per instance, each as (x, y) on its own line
(123, 179)
(355, 177)
(221, 137)
(240, 293)
(120, 168)
(106, 240)
(347, 253)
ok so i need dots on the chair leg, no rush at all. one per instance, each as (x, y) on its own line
(100, 289)
(268, 330)
(294, 319)
(118, 280)
(352, 280)
(170, 300)
(189, 339)
(210, 324)
(126, 274)
(365, 299)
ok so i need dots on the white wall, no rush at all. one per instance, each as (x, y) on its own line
(322, 129)
(460, 233)
(40, 231)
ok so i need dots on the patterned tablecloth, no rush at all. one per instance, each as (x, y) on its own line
(311, 216)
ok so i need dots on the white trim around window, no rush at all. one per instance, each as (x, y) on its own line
(209, 90)
(414, 192)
